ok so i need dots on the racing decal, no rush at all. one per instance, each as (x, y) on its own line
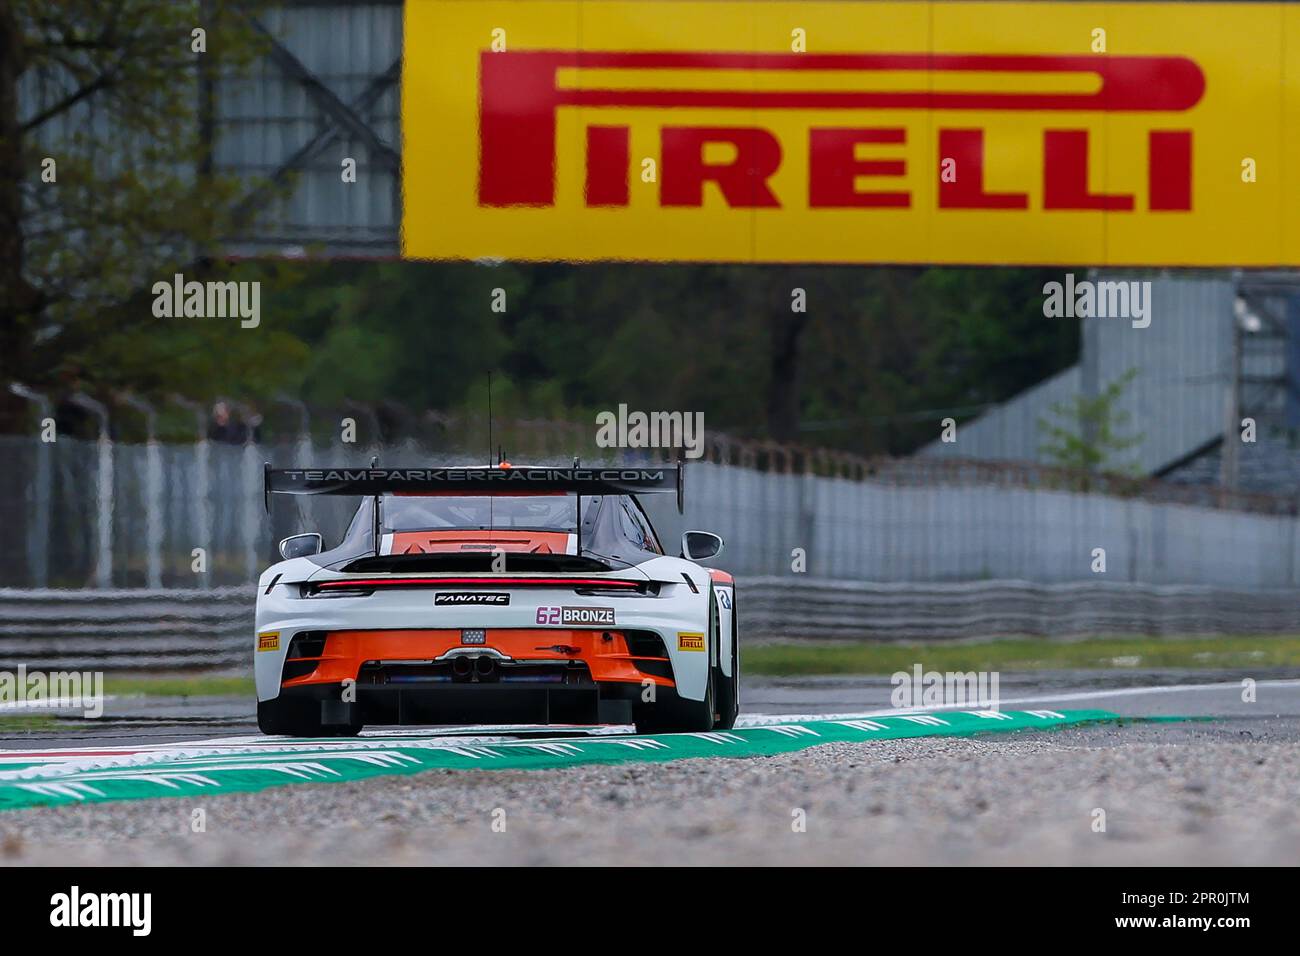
(575, 615)
(587, 615)
(471, 597)
(945, 132)
(269, 641)
(690, 641)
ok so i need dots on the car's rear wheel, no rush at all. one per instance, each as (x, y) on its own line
(676, 716)
(298, 718)
(679, 715)
(728, 688)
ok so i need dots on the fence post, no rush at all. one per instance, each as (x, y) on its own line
(103, 491)
(152, 491)
(199, 502)
(38, 533)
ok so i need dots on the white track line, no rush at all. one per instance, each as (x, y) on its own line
(755, 720)
(493, 733)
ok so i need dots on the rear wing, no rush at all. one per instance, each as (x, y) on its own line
(472, 481)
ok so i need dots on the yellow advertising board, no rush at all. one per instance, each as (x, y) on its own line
(984, 133)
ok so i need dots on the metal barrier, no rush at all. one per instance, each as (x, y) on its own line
(779, 607)
(126, 629)
(179, 630)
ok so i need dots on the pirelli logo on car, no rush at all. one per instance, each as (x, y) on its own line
(457, 598)
(944, 132)
(690, 641)
(268, 641)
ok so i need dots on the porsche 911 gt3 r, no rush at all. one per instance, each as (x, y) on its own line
(494, 595)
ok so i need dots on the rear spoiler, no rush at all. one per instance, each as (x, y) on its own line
(472, 481)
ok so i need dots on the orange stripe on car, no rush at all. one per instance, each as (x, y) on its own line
(608, 660)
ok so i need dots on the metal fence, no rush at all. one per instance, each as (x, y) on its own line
(140, 630)
(87, 514)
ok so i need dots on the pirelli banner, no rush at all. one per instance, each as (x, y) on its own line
(1125, 134)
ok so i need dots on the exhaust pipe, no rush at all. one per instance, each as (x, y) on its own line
(460, 667)
(484, 667)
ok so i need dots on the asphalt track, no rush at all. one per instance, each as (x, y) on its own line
(1129, 693)
(1200, 792)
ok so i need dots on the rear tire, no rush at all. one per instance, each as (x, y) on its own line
(728, 688)
(678, 716)
(298, 718)
(681, 716)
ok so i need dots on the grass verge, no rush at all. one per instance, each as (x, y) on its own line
(197, 685)
(27, 722)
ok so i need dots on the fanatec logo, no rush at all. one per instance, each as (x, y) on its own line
(471, 597)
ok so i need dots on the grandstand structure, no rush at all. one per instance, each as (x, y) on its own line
(1220, 348)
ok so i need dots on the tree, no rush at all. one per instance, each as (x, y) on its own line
(1088, 439)
(105, 172)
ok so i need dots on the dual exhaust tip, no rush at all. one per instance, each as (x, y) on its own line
(466, 667)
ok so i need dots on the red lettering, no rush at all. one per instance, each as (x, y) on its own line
(966, 191)
(1169, 171)
(743, 181)
(520, 97)
(607, 161)
(833, 168)
(1065, 174)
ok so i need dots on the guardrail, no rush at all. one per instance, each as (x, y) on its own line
(126, 629)
(179, 630)
(779, 607)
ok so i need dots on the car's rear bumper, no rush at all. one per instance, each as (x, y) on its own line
(616, 655)
(447, 703)
(432, 676)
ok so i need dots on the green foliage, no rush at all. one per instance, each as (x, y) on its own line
(133, 201)
(880, 351)
(882, 354)
(879, 356)
(1087, 436)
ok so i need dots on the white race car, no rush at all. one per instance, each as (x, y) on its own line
(495, 594)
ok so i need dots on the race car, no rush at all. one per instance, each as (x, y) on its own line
(494, 594)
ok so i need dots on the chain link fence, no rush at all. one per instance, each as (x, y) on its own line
(102, 514)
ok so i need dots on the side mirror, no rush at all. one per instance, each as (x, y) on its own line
(300, 545)
(698, 545)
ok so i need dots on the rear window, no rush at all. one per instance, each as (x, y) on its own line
(481, 512)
